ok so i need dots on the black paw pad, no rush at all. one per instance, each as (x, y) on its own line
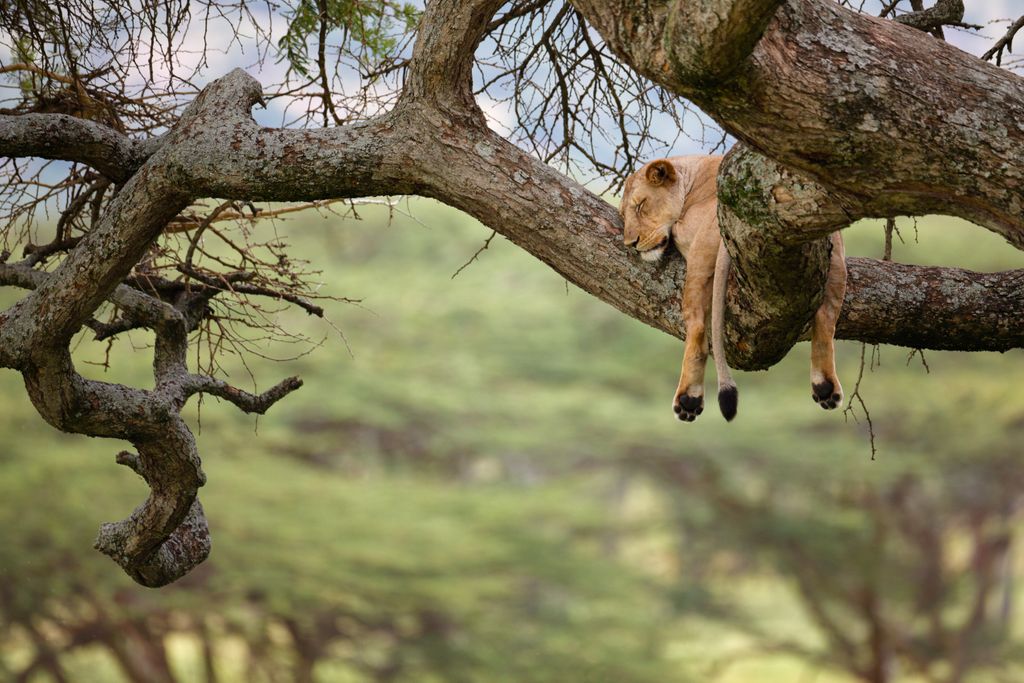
(728, 401)
(825, 395)
(687, 407)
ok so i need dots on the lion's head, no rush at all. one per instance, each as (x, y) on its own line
(651, 203)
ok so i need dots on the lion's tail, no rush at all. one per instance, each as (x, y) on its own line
(728, 396)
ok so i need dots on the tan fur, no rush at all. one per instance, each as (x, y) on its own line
(675, 200)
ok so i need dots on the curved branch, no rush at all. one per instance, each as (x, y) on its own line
(442, 61)
(46, 319)
(776, 226)
(167, 536)
(68, 138)
(729, 31)
(435, 143)
(250, 403)
(579, 235)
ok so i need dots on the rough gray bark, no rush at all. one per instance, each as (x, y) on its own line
(50, 136)
(943, 13)
(776, 225)
(167, 535)
(840, 119)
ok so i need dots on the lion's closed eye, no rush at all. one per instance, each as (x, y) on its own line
(640, 206)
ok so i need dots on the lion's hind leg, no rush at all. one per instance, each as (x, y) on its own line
(826, 390)
(688, 402)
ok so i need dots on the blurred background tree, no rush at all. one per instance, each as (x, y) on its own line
(479, 507)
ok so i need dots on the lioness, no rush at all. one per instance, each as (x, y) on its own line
(676, 199)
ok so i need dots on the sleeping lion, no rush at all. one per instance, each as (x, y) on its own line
(675, 200)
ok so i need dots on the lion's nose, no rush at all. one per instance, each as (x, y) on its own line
(630, 241)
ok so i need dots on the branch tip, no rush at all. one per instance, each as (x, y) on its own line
(249, 403)
(131, 461)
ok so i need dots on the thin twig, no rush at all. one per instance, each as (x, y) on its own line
(1004, 43)
(856, 395)
(479, 251)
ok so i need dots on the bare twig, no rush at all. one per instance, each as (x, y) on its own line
(250, 403)
(1005, 43)
(855, 395)
(472, 258)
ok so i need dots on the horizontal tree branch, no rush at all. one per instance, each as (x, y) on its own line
(68, 138)
(421, 150)
(932, 308)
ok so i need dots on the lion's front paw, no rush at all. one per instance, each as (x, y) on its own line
(687, 407)
(827, 393)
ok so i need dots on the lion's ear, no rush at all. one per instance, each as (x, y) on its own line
(661, 172)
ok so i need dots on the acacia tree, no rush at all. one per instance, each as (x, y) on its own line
(840, 115)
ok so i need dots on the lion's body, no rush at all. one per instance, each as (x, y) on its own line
(675, 200)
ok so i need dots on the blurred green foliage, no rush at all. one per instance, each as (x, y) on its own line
(483, 482)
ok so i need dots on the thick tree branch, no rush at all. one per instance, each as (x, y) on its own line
(47, 318)
(942, 13)
(428, 152)
(838, 96)
(910, 124)
(442, 63)
(776, 225)
(59, 136)
(166, 536)
(729, 30)
(931, 307)
(140, 308)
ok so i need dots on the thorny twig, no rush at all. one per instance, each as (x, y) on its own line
(856, 395)
(472, 258)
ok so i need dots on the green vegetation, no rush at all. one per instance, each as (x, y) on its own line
(370, 29)
(484, 482)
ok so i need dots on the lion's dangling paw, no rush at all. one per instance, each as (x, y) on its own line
(687, 407)
(827, 394)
